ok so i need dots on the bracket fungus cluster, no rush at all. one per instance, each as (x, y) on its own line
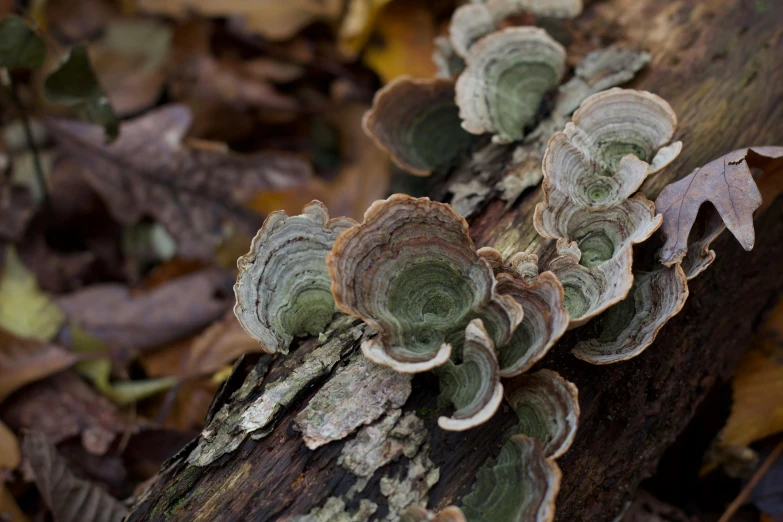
(283, 287)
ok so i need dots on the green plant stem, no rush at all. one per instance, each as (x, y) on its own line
(39, 173)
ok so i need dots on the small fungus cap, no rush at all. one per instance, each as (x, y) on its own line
(507, 75)
(417, 122)
(283, 287)
(411, 272)
(472, 386)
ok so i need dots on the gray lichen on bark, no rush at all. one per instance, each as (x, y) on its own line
(333, 510)
(413, 487)
(357, 395)
(226, 432)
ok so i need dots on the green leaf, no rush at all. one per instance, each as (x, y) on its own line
(75, 84)
(20, 46)
(25, 310)
(98, 372)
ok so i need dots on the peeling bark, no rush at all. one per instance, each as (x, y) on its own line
(718, 64)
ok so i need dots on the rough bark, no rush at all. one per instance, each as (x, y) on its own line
(718, 64)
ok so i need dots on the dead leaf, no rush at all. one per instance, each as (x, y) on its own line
(647, 508)
(23, 361)
(728, 184)
(16, 209)
(129, 60)
(358, 24)
(363, 177)
(757, 410)
(128, 321)
(25, 310)
(78, 21)
(219, 345)
(69, 498)
(272, 19)
(9, 510)
(404, 41)
(194, 193)
(64, 406)
(9, 452)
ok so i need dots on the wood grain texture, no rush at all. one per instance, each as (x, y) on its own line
(720, 65)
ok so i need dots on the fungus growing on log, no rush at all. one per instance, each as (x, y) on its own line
(411, 272)
(417, 122)
(548, 409)
(472, 386)
(420, 514)
(541, 297)
(283, 287)
(627, 328)
(519, 486)
(470, 22)
(507, 75)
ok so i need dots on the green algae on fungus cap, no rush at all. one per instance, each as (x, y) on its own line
(411, 272)
(283, 287)
(617, 122)
(417, 122)
(590, 291)
(472, 386)
(541, 297)
(470, 22)
(629, 327)
(599, 233)
(547, 407)
(508, 73)
(521, 485)
(420, 514)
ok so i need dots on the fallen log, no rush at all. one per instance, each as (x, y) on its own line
(718, 64)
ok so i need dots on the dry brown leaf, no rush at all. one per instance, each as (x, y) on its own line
(9, 452)
(405, 32)
(64, 406)
(23, 361)
(363, 177)
(219, 345)
(69, 498)
(9, 510)
(172, 310)
(728, 184)
(16, 209)
(358, 24)
(272, 19)
(196, 194)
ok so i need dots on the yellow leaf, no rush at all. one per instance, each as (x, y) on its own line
(404, 43)
(757, 411)
(358, 24)
(25, 310)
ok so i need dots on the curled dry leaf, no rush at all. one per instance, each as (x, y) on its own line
(69, 498)
(727, 183)
(173, 310)
(196, 193)
(16, 209)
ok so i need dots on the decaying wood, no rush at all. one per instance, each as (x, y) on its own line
(718, 64)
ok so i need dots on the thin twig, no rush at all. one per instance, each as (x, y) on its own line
(754, 480)
(39, 173)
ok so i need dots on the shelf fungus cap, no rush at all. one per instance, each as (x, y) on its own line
(507, 75)
(283, 287)
(629, 327)
(590, 291)
(547, 407)
(614, 123)
(417, 122)
(541, 297)
(600, 234)
(411, 272)
(472, 386)
(521, 485)
(470, 22)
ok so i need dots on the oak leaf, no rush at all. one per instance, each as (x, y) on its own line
(195, 193)
(69, 498)
(727, 183)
